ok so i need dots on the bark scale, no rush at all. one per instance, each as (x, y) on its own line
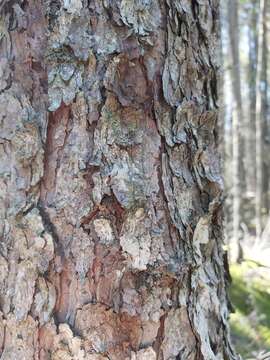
(111, 221)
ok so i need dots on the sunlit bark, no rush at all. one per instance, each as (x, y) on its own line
(111, 216)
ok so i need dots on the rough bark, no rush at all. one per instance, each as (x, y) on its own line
(111, 216)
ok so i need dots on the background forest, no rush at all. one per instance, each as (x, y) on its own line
(246, 154)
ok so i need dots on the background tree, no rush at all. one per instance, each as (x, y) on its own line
(250, 322)
(237, 118)
(261, 64)
(250, 152)
(246, 136)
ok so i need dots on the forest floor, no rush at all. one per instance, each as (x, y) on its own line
(250, 297)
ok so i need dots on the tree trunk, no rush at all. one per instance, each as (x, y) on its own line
(250, 153)
(265, 121)
(237, 116)
(259, 118)
(110, 183)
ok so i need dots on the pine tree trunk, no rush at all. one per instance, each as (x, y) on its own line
(111, 216)
(265, 122)
(250, 153)
(237, 116)
(259, 119)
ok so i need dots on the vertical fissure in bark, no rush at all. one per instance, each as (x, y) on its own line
(50, 228)
(54, 148)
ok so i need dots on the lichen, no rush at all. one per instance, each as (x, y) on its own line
(65, 82)
(143, 16)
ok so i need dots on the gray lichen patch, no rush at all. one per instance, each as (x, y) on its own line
(143, 16)
(68, 47)
(71, 30)
(107, 39)
(127, 182)
(65, 82)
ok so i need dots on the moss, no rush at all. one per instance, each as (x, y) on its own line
(240, 296)
(243, 335)
(250, 295)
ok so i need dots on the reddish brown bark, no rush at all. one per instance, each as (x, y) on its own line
(112, 222)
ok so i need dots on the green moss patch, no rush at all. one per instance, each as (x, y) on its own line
(250, 296)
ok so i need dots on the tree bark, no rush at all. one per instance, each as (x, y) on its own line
(111, 216)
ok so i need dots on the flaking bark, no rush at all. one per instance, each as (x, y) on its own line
(111, 216)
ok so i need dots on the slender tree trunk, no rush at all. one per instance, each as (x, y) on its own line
(259, 118)
(250, 153)
(265, 124)
(111, 216)
(225, 123)
(237, 117)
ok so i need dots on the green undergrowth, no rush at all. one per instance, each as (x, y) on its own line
(250, 297)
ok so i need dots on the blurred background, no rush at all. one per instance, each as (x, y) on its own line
(245, 135)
